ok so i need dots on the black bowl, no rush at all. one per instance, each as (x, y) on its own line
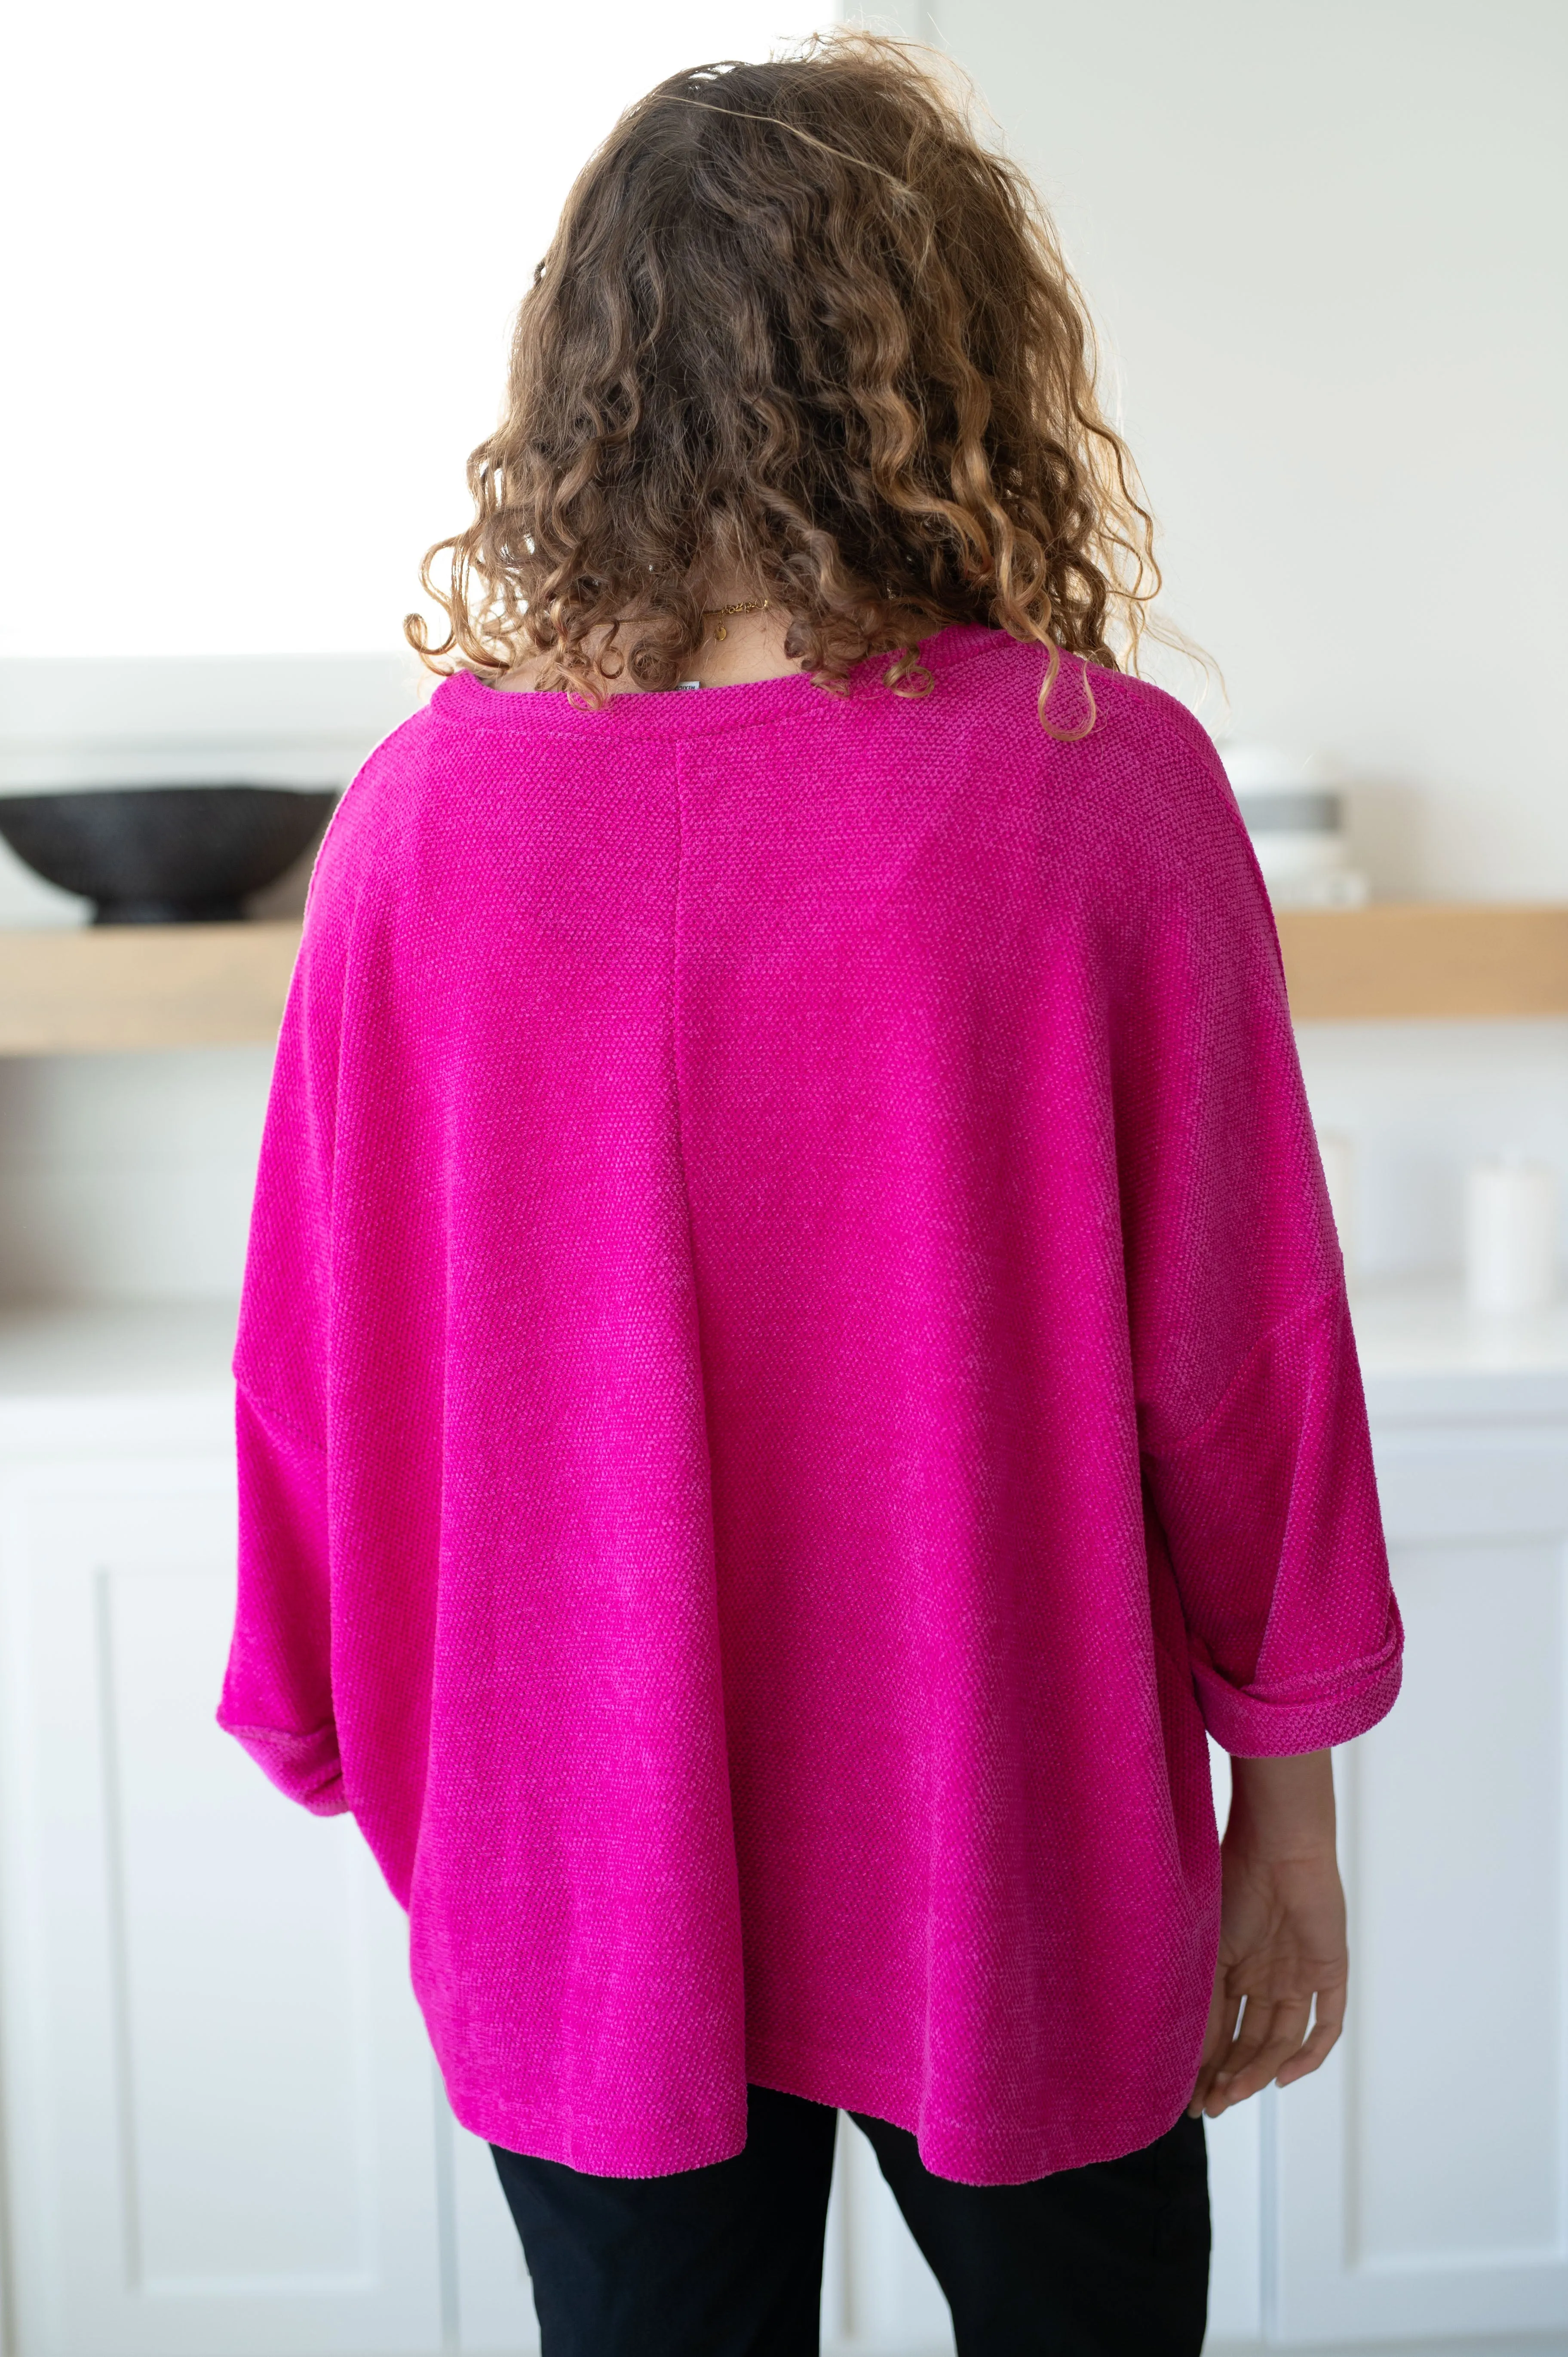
(162, 854)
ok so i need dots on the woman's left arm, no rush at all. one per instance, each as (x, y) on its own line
(1282, 1937)
(277, 1691)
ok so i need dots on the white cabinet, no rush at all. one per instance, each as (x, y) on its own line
(491, 2306)
(225, 2136)
(219, 2101)
(1418, 2180)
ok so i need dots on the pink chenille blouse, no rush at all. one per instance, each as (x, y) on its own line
(794, 1357)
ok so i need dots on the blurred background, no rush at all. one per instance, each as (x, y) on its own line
(258, 282)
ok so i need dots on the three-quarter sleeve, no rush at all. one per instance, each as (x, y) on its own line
(1271, 1517)
(277, 1693)
(1253, 1437)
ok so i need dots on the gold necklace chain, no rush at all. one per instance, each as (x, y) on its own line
(746, 606)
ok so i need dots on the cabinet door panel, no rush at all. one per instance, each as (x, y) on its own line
(1421, 2183)
(220, 2117)
(1445, 1482)
(1235, 2141)
(494, 2299)
(879, 2292)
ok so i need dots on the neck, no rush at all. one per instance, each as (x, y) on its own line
(751, 647)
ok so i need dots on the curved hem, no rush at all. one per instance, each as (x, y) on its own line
(951, 2149)
(954, 2149)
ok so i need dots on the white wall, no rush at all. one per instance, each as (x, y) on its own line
(1327, 238)
(259, 317)
(258, 288)
(262, 316)
(128, 1177)
(1329, 241)
(1420, 1100)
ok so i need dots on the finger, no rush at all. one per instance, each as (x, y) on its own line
(1257, 2025)
(1331, 2005)
(1285, 2031)
(1202, 2089)
(1326, 2031)
(1224, 2010)
(1215, 2036)
(1248, 2036)
(1325, 2038)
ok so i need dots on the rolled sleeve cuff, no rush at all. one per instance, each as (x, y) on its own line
(1272, 1722)
(305, 1767)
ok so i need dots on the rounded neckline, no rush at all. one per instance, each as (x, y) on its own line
(685, 712)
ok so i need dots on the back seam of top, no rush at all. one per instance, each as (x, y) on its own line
(677, 767)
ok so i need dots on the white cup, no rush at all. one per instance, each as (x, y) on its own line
(1510, 1233)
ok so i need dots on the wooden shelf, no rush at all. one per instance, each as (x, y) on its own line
(95, 988)
(91, 988)
(1403, 958)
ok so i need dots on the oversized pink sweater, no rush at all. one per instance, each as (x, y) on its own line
(794, 1356)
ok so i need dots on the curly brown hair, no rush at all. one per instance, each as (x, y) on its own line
(798, 327)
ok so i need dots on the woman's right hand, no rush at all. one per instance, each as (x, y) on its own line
(1281, 1934)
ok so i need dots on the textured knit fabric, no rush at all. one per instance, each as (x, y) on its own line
(794, 1354)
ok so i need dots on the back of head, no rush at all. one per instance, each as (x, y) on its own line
(799, 329)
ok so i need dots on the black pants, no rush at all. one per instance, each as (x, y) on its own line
(1109, 2261)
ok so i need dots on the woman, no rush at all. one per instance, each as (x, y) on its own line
(794, 1354)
